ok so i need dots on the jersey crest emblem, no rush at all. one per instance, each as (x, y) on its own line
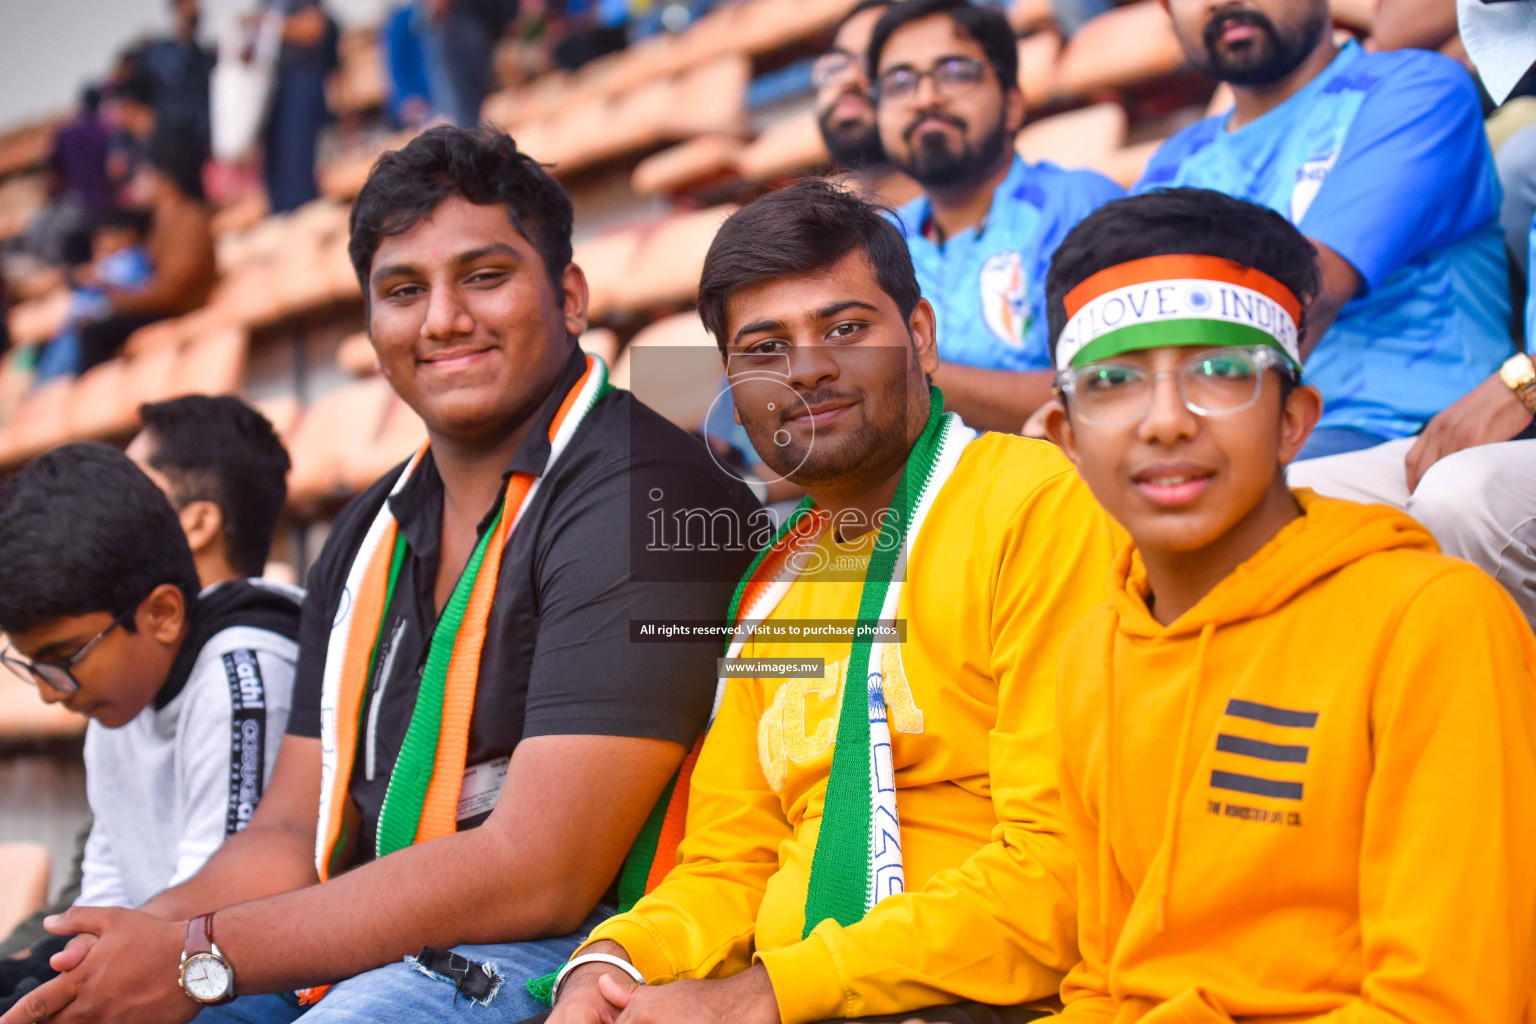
(1005, 298)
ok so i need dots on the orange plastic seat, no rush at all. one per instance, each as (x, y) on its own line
(40, 319)
(1081, 138)
(151, 376)
(711, 98)
(333, 430)
(101, 405)
(665, 267)
(674, 367)
(605, 260)
(690, 163)
(355, 355)
(1038, 55)
(40, 422)
(600, 342)
(25, 868)
(401, 433)
(282, 411)
(1122, 47)
(213, 364)
(25, 718)
(786, 148)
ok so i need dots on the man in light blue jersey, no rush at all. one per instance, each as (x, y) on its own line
(1380, 159)
(945, 76)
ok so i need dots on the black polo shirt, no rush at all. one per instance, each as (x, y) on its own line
(581, 564)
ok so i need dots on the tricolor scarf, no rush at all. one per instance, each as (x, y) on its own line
(421, 801)
(1177, 300)
(858, 858)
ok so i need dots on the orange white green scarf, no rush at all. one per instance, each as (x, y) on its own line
(421, 801)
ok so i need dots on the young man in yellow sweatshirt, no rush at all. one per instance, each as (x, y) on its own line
(1298, 765)
(883, 835)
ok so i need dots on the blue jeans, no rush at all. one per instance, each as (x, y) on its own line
(401, 993)
(1337, 441)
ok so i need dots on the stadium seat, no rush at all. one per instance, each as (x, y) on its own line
(1122, 47)
(1038, 55)
(711, 98)
(20, 200)
(784, 149)
(600, 342)
(332, 431)
(151, 376)
(674, 367)
(25, 868)
(767, 25)
(282, 411)
(665, 267)
(605, 260)
(1081, 138)
(39, 320)
(101, 405)
(674, 170)
(40, 421)
(400, 433)
(355, 355)
(24, 718)
(213, 364)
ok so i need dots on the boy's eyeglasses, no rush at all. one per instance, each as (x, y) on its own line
(58, 675)
(831, 66)
(1213, 383)
(951, 76)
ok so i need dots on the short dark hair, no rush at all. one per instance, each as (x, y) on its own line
(483, 166)
(83, 530)
(179, 156)
(218, 449)
(987, 27)
(1180, 220)
(800, 229)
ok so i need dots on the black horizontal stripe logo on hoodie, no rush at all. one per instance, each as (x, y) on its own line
(1282, 753)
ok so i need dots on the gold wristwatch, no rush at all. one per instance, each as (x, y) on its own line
(1519, 374)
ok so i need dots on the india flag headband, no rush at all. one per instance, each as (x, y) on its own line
(1177, 300)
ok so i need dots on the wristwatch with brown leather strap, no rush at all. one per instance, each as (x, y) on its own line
(1519, 374)
(205, 976)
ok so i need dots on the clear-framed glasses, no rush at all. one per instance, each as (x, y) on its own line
(1216, 382)
(951, 76)
(831, 66)
(58, 675)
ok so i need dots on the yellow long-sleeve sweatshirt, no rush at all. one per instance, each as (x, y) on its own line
(1313, 796)
(1004, 568)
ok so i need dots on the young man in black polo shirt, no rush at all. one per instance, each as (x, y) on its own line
(481, 739)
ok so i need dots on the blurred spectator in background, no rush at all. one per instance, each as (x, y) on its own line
(459, 38)
(583, 30)
(297, 111)
(1382, 160)
(844, 111)
(178, 68)
(948, 107)
(78, 158)
(119, 261)
(409, 103)
(180, 250)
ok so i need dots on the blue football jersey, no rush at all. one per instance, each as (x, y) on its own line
(987, 284)
(1383, 159)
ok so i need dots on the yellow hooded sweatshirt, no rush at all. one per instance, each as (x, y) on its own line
(1313, 796)
(1006, 565)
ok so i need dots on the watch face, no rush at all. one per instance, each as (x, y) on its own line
(206, 978)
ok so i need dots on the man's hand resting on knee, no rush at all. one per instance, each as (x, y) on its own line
(599, 993)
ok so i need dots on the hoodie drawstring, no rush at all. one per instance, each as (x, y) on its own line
(1176, 785)
(1106, 862)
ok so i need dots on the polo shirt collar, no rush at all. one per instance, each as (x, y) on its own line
(920, 213)
(418, 506)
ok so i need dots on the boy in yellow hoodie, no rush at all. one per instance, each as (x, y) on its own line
(1298, 765)
(882, 835)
